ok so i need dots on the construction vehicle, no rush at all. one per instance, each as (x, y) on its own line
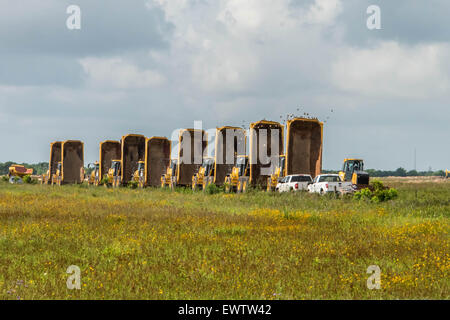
(167, 178)
(353, 170)
(192, 144)
(56, 177)
(304, 144)
(280, 172)
(205, 175)
(55, 157)
(139, 174)
(70, 170)
(132, 151)
(94, 177)
(16, 172)
(447, 174)
(229, 142)
(113, 177)
(157, 159)
(265, 149)
(233, 183)
(110, 150)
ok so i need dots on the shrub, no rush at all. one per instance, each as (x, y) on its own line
(212, 189)
(133, 184)
(28, 179)
(5, 178)
(378, 193)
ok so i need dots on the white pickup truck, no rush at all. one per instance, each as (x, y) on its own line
(294, 182)
(327, 183)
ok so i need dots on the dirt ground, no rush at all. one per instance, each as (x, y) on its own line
(420, 179)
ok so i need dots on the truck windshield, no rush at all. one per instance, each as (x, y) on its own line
(329, 179)
(301, 179)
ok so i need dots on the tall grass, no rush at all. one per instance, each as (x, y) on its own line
(158, 244)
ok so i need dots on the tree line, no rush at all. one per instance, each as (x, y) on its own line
(399, 172)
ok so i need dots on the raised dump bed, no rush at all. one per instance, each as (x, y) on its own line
(230, 142)
(191, 149)
(266, 146)
(304, 146)
(55, 157)
(157, 159)
(109, 150)
(72, 161)
(133, 151)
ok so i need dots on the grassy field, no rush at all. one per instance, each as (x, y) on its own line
(157, 244)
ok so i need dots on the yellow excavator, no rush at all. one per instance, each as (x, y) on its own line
(205, 174)
(233, 183)
(113, 177)
(353, 170)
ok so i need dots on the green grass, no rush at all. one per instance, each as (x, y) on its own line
(158, 244)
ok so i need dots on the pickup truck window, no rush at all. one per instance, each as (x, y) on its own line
(329, 179)
(300, 179)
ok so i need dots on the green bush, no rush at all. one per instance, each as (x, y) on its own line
(378, 193)
(28, 179)
(133, 184)
(212, 189)
(5, 178)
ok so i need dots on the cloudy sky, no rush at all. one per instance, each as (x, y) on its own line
(151, 66)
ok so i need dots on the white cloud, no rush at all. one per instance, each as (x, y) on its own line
(324, 11)
(117, 73)
(391, 69)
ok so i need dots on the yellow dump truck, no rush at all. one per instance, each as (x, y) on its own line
(55, 157)
(192, 144)
(229, 142)
(71, 167)
(132, 152)
(17, 171)
(265, 149)
(109, 151)
(304, 145)
(157, 159)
